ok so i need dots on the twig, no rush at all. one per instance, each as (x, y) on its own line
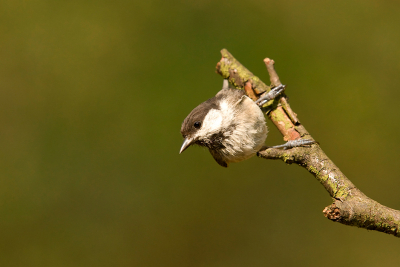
(350, 206)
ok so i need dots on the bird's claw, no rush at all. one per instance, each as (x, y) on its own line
(274, 92)
(295, 143)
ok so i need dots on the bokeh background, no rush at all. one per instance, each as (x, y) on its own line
(92, 97)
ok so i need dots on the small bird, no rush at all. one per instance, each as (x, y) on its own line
(230, 125)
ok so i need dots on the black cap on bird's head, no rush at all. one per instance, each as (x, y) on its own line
(194, 122)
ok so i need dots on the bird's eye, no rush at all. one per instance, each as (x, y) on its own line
(197, 124)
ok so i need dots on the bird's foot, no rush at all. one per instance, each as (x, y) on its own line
(295, 143)
(274, 92)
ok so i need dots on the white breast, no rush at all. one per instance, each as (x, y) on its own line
(250, 132)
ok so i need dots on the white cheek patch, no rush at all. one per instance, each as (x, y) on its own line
(211, 123)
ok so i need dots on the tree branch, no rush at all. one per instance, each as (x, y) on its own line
(350, 206)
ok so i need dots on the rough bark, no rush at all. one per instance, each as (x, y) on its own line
(350, 206)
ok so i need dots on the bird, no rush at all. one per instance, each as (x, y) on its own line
(230, 125)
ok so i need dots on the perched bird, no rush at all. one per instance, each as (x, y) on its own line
(230, 125)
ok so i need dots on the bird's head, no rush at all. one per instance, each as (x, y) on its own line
(202, 125)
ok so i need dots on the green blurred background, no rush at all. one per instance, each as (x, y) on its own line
(92, 98)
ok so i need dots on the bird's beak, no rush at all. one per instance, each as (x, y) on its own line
(186, 143)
